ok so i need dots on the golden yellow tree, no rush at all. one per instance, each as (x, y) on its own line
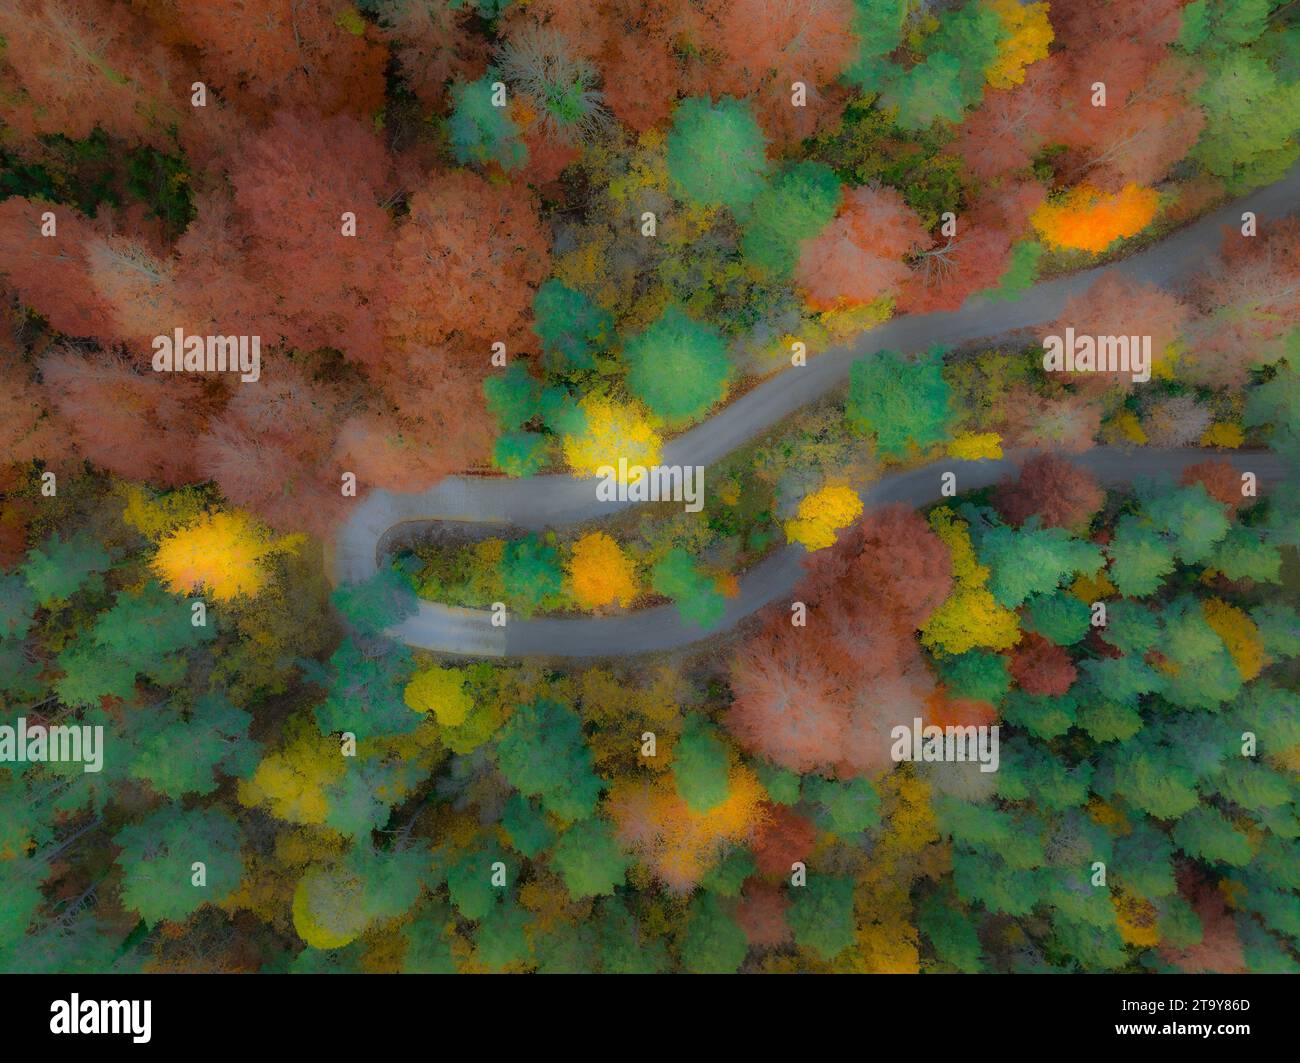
(976, 446)
(291, 783)
(224, 553)
(632, 701)
(613, 431)
(678, 845)
(155, 514)
(969, 616)
(1030, 32)
(440, 691)
(1087, 219)
(600, 572)
(821, 514)
(1239, 634)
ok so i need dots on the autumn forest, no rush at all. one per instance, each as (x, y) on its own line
(341, 344)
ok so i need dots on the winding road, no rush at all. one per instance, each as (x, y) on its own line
(478, 507)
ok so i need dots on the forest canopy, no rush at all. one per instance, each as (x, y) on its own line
(487, 249)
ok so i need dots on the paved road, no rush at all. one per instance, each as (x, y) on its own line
(478, 507)
(469, 632)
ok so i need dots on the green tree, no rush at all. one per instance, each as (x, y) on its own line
(1276, 403)
(1204, 676)
(184, 753)
(782, 785)
(17, 606)
(1252, 117)
(951, 76)
(481, 133)
(678, 367)
(1150, 778)
(512, 396)
(849, 806)
(821, 915)
(927, 92)
(1279, 629)
(362, 799)
(542, 753)
(365, 690)
(1253, 785)
(621, 944)
(566, 948)
(469, 883)
(1061, 617)
(795, 205)
(1032, 560)
(501, 937)
(427, 948)
(1243, 554)
(1188, 518)
(976, 674)
(700, 765)
(1021, 271)
(532, 574)
(676, 576)
(521, 453)
(378, 603)
(56, 570)
(878, 26)
(147, 632)
(716, 154)
(1140, 558)
(902, 403)
(159, 856)
(1205, 834)
(589, 860)
(951, 932)
(712, 942)
(527, 826)
(1124, 680)
(727, 877)
(571, 327)
(1222, 25)
(1042, 715)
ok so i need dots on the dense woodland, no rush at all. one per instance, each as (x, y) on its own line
(645, 206)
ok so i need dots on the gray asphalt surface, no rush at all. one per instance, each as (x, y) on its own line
(477, 507)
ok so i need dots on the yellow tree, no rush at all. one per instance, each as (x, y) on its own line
(612, 431)
(326, 914)
(224, 552)
(600, 573)
(1239, 634)
(440, 691)
(679, 845)
(821, 514)
(1030, 32)
(969, 616)
(976, 446)
(291, 783)
(910, 848)
(1087, 219)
